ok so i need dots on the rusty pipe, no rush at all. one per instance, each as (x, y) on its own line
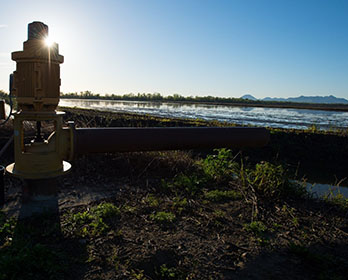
(107, 140)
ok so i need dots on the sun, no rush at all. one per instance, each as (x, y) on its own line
(48, 42)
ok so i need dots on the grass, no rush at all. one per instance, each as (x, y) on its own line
(337, 199)
(94, 221)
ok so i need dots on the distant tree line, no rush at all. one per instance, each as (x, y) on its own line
(158, 97)
(203, 99)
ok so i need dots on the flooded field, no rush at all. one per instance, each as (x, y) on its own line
(269, 117)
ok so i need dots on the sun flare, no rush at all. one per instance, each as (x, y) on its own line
(48, 42)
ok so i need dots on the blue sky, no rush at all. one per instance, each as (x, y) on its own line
(229, 48)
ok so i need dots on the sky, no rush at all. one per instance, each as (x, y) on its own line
(275, 48)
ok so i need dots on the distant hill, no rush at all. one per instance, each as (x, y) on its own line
(248, 96)
(304, 99)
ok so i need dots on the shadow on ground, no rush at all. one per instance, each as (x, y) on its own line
(35, 248)
(319, 261)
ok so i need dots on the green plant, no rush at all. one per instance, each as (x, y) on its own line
(114, 259)
(7, 226)
(137, 275)
(182, 183)
(313, 128)
(218, 196)
(152, 201)
(268, 179)
(105, 210)
(129, 209)
(220, 166)
(163, 217)
(94, 221)
(259, 229)
(219, 214)
(180, 204)
(82, 218)
(256, 227)
(166, 272)
(337, 199)
(290, 211)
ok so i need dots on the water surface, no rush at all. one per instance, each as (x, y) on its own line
(269, 117)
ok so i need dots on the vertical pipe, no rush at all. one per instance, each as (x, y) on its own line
(2, 185)
(2, 110)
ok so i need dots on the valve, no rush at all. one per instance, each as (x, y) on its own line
(35, 85)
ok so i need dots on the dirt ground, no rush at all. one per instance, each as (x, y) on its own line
(171, 219)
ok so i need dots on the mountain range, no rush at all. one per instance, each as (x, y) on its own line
(303, 99)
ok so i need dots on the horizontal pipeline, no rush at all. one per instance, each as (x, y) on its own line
(108, 140)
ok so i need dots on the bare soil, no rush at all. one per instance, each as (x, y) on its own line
(300, 237)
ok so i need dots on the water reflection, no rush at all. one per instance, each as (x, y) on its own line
(271, 117)
(320, 190)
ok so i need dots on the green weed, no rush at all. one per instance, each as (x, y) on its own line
(219, 196)
(137, 275)
(270, 181)
(163, 217)
(220, 166)
(337, 199)
(260, 230)
(152, 201)
(7, 226)
(182, 183)
(256, 227)
(166, 272)
(290, 211)
(180, 204)
(94, 221)
(219, 214)
(105, 210)
(129, 209)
